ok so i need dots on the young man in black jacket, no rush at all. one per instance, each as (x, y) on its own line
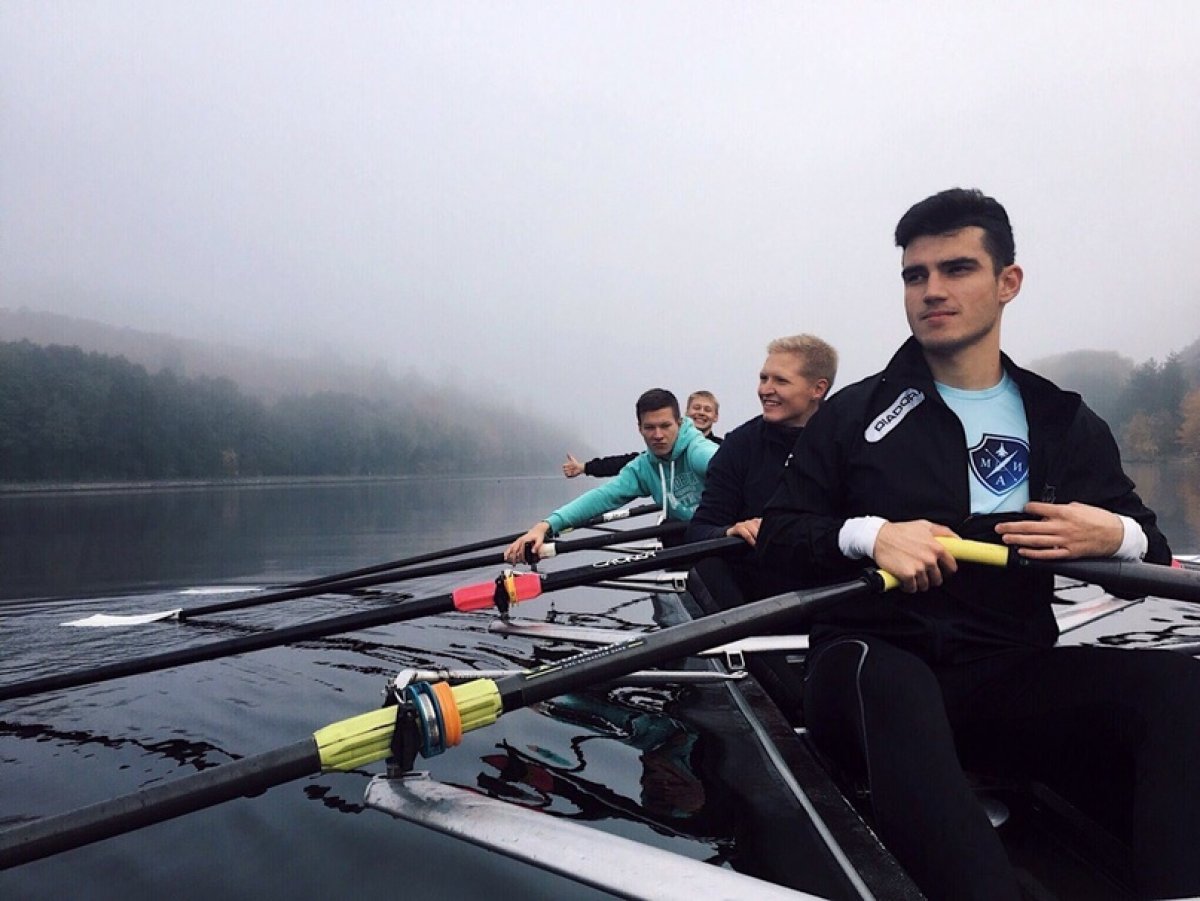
(792, 383)
(952, 438)
(794, 379)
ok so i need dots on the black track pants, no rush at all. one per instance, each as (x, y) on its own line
(889, 717)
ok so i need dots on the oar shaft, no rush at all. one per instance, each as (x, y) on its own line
(342, 586)
(351, 622)
(1123, 577)
(431, 556)
(655, 648)
(421, 572)
(206, 788)
(433, 720)
(639, 562)
(1127, 576)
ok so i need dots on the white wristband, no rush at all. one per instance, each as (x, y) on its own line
(856, 538)
(1135, 543)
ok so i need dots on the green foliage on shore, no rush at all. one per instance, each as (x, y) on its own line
(1153, 408)
(67, 415)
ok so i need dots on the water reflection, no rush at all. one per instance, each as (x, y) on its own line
(633, 718)
(70, 543)
(1172, 490)
(196, 755)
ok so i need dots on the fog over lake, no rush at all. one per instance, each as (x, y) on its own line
(560, 205)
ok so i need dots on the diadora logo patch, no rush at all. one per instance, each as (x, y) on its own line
(1000, 463)
(909, 400)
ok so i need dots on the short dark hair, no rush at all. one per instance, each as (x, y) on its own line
(957, 208)
(656, 399)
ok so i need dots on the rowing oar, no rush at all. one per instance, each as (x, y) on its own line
(429, 557)
(1123, 577)
(427, 718)
(509, 588)
(549, 549)
(430, 718)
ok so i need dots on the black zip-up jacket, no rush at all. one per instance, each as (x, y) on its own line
(742, 477)
(916, 467)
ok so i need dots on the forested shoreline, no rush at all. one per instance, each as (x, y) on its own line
(73, 416)
(1152, 407)
(67, 415)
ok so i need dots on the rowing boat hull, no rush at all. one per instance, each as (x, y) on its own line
(717, 766)
(751, 783)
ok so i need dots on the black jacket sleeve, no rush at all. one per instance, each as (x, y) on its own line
(798, 539)
(604, 467)
(722, 501)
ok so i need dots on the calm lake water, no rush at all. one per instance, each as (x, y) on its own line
(71, 554)
(66, 555)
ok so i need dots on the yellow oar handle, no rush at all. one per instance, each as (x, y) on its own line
(447, 712)
(970, 551)
(889, 581)
(977, 551)
(357, 741)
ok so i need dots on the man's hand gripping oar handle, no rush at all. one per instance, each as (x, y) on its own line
(966, 551)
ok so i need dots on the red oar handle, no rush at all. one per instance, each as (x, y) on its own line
(507, 589)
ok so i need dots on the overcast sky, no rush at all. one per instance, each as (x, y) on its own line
(562, 204)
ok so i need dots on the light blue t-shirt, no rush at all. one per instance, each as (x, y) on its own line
(997, 444)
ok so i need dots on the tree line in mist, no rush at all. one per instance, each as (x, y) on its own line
(1153, 407)
(67, 415)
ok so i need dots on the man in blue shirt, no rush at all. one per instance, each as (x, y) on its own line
(953, 438)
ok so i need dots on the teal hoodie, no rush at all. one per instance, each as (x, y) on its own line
(643, 476)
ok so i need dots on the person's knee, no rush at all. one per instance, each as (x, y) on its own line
(855, 687)
(898, 681)
(876, 673)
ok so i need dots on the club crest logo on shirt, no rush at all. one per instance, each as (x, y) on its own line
(1000, 463)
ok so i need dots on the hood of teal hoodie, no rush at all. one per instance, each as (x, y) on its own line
(688, 435)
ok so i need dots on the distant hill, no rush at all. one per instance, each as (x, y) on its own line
(453, 431)
(264, 375)
(1099, 375)
(1146, 404)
